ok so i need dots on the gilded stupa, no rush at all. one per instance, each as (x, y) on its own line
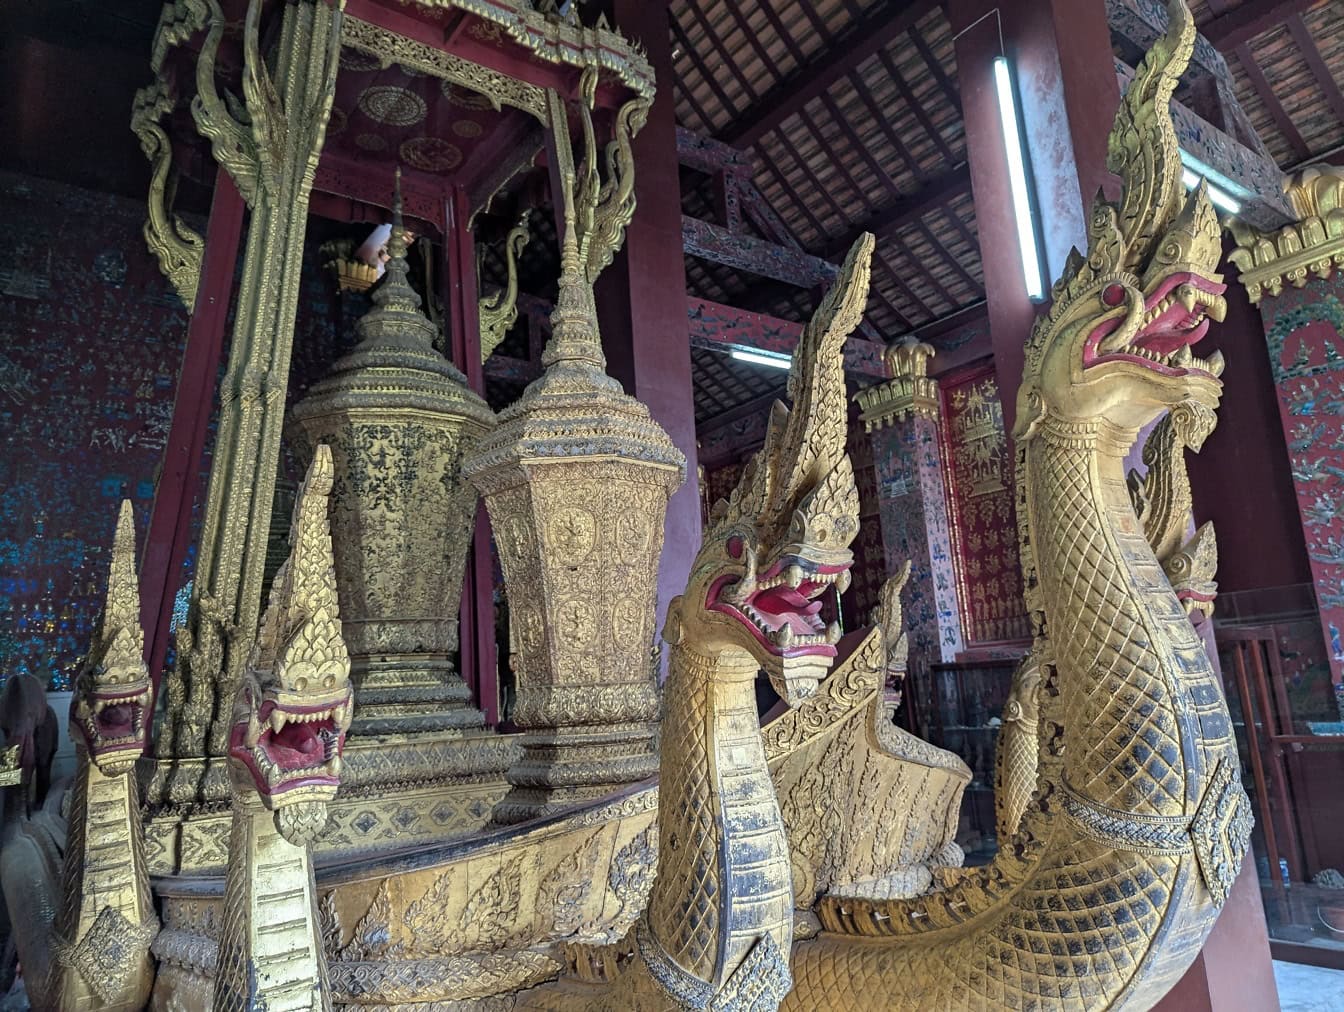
(399, 418)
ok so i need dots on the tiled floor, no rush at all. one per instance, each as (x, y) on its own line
(1309, 988)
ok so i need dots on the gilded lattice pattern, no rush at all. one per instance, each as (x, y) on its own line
(1101, 898)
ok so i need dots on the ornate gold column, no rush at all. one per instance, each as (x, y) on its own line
(272, 157)
(399, 419)
(576, 480)
(902, 417)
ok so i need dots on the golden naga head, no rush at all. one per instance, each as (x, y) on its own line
(294, 707)
(1117, 342)
(111, 698)
(782, 539)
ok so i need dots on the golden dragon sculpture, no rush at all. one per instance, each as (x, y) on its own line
(289, 723)
(1139, 823)
(84, 938)
(719, 923)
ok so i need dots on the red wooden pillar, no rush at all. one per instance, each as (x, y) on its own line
(476, 629)
(180, 479)
(641, 297)
(1060, 52)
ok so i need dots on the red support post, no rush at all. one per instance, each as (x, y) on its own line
(476, 629)
(1060, 51)
(642, 297)
(166, 545)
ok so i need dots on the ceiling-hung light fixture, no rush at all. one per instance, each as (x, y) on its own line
(1224, 193)
(1217, 197)
(1016, 152)
(770, 358)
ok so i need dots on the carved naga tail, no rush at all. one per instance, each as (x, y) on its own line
(1139, 825)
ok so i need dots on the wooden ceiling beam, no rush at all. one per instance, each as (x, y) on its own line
(1271, 102)
(908, 209)
(1254, 17)
(1312, 54)
(713, 325)
(719, 245)
(705, 154)
(864, 38)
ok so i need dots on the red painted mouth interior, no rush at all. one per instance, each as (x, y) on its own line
(1170, 326)
(777, 606)
(299, 746)
(119, 721)
(295, 755)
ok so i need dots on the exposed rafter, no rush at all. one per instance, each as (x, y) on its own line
(865, 38)
(718, 327)
(719, 245)
(907, 210)
(1254, 17)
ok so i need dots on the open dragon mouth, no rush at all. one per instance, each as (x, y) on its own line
(782, 608)
(114, 720)
(1175, 318)
(290, 747)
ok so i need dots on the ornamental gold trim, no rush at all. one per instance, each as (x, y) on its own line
(910, 391)
(1313, 246)
(560, 38)
(388, 48)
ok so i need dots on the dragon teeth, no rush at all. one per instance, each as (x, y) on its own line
(842, 581)
(833, 633)
(793, 576)
(786, 637)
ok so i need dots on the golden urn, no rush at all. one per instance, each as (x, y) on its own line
(399, 419)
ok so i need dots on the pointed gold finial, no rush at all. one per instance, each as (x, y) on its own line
(122, 608)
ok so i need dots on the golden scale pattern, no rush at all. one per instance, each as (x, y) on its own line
(1122, 857)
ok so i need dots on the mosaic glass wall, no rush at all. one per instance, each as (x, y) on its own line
(91, 338)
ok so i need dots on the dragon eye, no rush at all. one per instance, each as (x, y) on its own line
(1114, 295)
(735, 547)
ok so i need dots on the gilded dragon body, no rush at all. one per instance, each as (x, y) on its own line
(84, 938)
(1139, 819)
(289, 723)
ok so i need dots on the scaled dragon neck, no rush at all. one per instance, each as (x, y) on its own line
(723, 885)
(270, 948)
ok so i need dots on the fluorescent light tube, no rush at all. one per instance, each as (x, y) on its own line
(1017, 178)
(763, 358)
(1216, 196)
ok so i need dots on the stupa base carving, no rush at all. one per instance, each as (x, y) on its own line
(562, 769)
(398, 791)
(395, 696)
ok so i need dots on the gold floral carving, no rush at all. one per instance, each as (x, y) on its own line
(558, 39)
(1135, 749)
(84, 925)
(391, 104)
(272, 153)
(496, 88)
(399, 419)
(178, 248)
(567, 461)
(430, 154)
(1313, 246)
(909, 391)
(498, 312)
